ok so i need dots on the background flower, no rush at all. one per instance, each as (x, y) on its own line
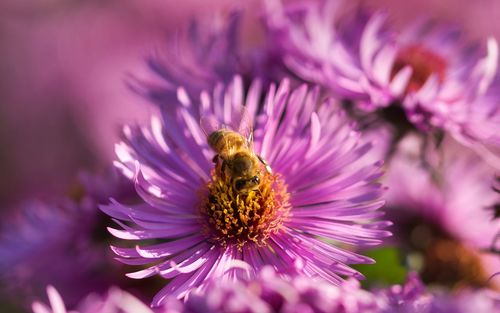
(352, 56)
(115, 301)
(450, 81)
(61, 242)
(198, 57)
(442, 80)
(269, 293)
(441, 209)
(51, 244)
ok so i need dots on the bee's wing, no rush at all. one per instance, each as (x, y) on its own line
(239, 121)
(210, 124)
(242, 122)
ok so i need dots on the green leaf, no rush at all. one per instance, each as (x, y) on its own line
(387, 270)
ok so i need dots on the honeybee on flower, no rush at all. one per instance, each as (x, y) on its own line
(236, 162)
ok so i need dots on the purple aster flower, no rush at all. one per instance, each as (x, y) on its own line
(443, 212)
(351, 56)
(442, 81)
(269, 293)
(480, 301)
(115, 301)
(266, 293)
(320, 192)
(452, 86)
(58, 242)
(45, 243)
(413, 297)
(201, 55)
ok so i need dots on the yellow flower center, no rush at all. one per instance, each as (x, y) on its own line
(230, 217)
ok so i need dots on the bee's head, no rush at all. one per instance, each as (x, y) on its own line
(244, 185)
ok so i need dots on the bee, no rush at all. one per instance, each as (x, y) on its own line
(235, 158)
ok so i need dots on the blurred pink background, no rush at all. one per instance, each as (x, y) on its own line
(63, 63)
(62, 91)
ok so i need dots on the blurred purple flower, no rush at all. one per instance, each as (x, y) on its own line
(450, 81)
(265, 293)
(351, 56)
(323, 191)
(46, 243)
(444, 208)
(413, 297)
(207, 52)
(115, 301)
(57, 242)
(441, 80)
(478, 301)
(270, 293)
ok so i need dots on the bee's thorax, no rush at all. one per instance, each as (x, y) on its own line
(223, 141)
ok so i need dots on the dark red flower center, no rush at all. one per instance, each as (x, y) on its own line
(424, 63)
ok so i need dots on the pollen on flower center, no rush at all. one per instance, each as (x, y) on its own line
(230, 217)
(424, 63)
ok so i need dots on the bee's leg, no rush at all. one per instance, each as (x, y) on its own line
(266, 165)
(223, 167)
(220, 165)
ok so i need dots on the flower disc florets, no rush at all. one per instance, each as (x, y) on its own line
(231, 217)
